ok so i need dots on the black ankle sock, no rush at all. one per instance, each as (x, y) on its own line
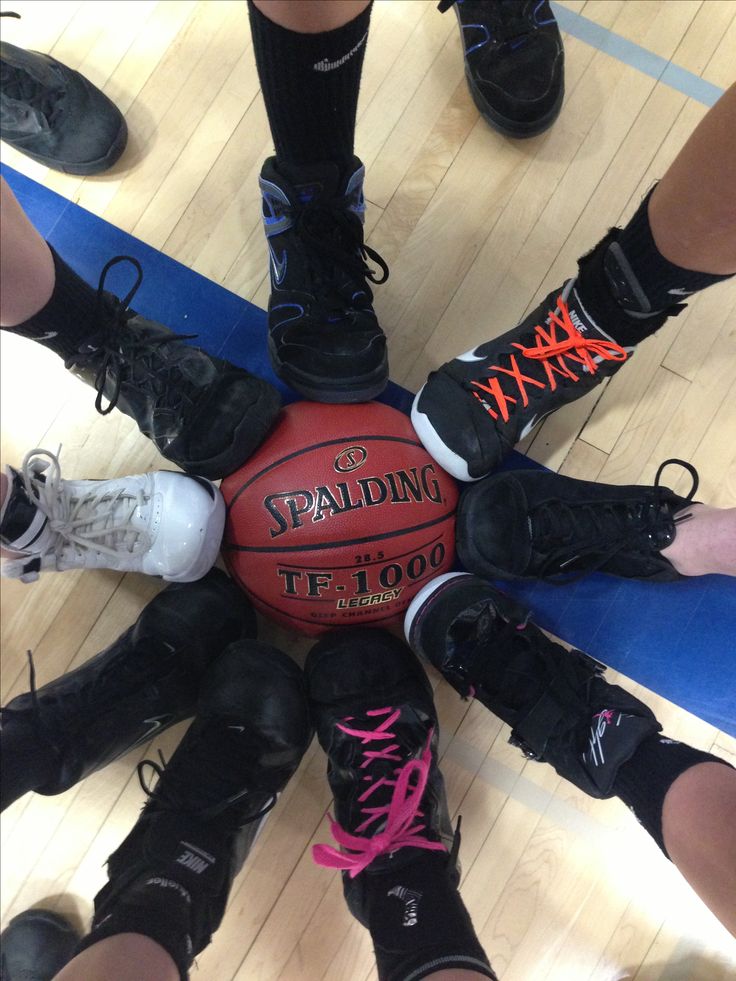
(657, 283)
(28, 761)
(594, 289)
(310, 85)
(70, 316)
(155, 906)
(643, 781)
(418, 922)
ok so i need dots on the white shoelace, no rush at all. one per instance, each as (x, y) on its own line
(99, 522)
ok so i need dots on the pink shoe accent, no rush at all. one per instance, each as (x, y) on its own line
(399, 831)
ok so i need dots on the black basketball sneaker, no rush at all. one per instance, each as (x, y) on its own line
(203, 413)
(56, 116)
(514, 62)
(532, 524)
(560, 708)
(474, 409)
(324, 338)
(375, 718)
(202, 817)
(144, 682)
(36, 945)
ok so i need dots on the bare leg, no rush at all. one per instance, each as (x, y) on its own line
(124, 957)
(705, 543)
(692, 211)
(311, 16)
(26, 265)
(700, 835)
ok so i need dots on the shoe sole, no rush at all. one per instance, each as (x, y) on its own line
(450, 461)
(360, 388)
(83, 169)
(423, 596)
(212, 540)
(512, 127)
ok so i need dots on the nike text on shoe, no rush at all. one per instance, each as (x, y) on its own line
(532, 524)
(514, 62)
(144, 682)
(474, 409)
(36, 945)
(560, 708)
(203, 413)
(202, 817)
(324, 338)
(161, 523)
(56, 116)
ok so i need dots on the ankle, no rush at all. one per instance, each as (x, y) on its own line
(705, 541)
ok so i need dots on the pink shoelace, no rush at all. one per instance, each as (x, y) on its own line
(400, 829)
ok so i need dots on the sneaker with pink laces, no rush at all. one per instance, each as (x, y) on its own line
(375, 718)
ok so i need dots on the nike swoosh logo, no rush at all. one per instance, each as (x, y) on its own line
(47, 336)
(529, 426)
(237, 728)
(329, 66)
(470, 356)
(155, 723)
(680, 292)
(279, 266)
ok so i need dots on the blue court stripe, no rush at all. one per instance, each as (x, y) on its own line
(637, 57)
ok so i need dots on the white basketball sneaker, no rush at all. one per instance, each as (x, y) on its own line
(160, 523)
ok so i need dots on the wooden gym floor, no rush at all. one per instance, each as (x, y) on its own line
(475, 228)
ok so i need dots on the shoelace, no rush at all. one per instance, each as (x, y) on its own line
(400, 829)
(174, 793)
(337, 239)
(610, 529)
(553, 353)
(116, 350)
(97, 522)
(22, 87)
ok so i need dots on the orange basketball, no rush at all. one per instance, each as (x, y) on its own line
(339, 518)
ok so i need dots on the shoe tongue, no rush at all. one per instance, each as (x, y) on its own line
(314, 181)
(23, 525)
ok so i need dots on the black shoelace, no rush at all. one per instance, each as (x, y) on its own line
(569, 532)
(176, 791)
(335, 238)
(116, 352)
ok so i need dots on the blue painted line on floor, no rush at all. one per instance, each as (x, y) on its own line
(675, 638)
(636, 56)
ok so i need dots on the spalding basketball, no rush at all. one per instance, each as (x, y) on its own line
(339, 518)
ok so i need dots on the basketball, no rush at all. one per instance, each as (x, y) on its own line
(339, 518)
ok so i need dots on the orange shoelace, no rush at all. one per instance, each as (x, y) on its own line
(551, 351)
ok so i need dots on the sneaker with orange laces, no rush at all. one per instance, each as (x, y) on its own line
(475, 408)
(372, 707)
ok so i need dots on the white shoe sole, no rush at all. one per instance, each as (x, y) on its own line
(422, 596)
(433, 444)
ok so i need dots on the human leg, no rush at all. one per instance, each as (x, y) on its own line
(374, 715)
(474, 409)
(324, 338)
(203, 413)
(562, 711)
